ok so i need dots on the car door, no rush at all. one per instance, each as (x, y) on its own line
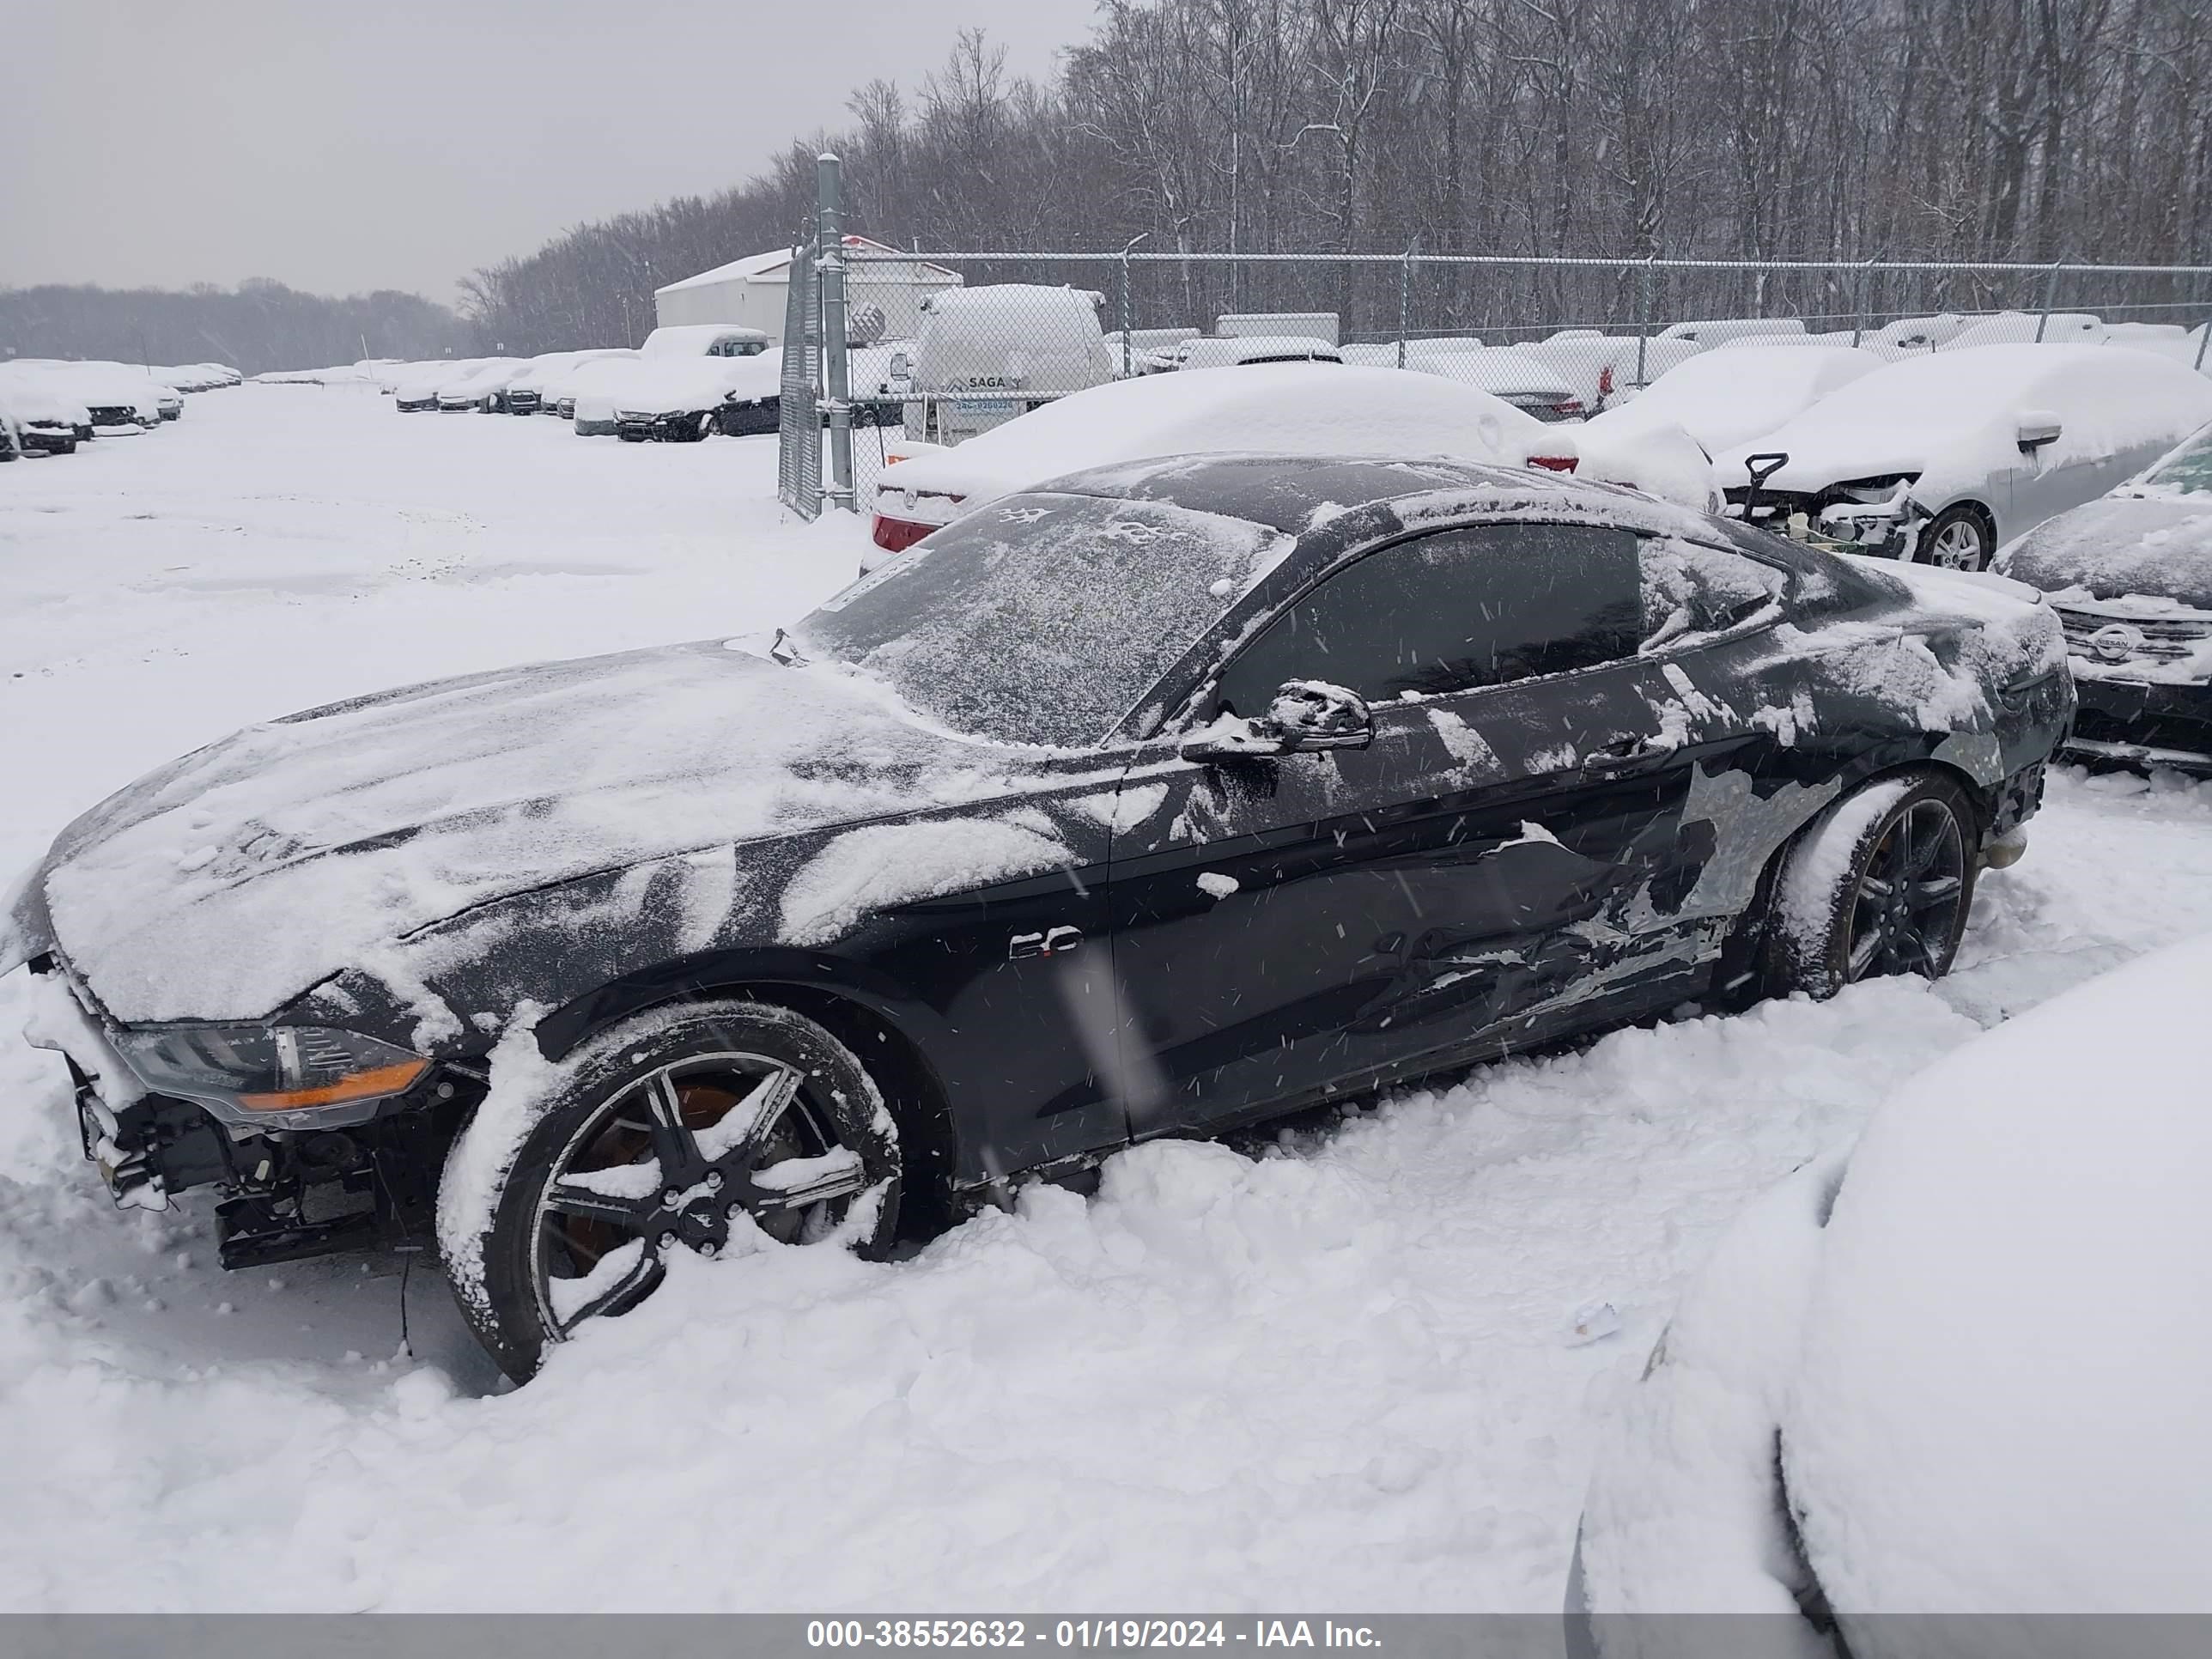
(1290, 926)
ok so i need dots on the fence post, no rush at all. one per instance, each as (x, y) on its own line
(830, 246)
(2050, 296)
(1405, 299)
(1858, 304)
(2204, 339)
(1128, 317)
(1642, 315)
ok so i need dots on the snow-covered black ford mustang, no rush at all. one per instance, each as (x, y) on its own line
(1159, 799)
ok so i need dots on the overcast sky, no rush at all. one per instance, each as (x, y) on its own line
(342, 145)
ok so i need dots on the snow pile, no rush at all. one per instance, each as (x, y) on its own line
(2000, 1404)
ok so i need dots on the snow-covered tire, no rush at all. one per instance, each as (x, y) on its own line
(555, 1207)
(1880, 882)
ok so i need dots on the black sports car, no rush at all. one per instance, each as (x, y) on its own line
(1160, 800)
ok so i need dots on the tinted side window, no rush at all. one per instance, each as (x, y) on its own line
(1690, 590)
(1462, 608)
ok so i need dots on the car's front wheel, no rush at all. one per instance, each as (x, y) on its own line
(1879, 883)
(722, 1128)
(1958, 539)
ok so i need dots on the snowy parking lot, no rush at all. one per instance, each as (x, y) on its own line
(1359, 1366)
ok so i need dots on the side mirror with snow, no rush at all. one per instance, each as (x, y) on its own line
(2037, 427)
(1305, 714)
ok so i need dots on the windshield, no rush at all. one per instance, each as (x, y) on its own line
(2188, 470)
(1044, 618)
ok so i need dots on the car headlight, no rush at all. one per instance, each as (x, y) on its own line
(269, 1068)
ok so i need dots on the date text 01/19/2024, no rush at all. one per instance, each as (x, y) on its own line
(1087, 1633)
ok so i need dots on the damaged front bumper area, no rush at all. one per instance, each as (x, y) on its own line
(316, 1140)
(2127, 722)
(1876, 517)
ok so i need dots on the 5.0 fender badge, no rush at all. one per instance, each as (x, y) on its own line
(1054, 942)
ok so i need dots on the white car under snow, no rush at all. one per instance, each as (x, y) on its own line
(1948, 456)
(1300, 408)
(1961, 1370)
(1727, 397)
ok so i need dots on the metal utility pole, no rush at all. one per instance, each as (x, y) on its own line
(829, 255)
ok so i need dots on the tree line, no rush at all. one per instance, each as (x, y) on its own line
(2039, 131)
(260, 324)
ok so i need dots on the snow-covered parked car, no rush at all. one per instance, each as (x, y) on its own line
(1960, 1371)
(416, 390)
(2130, 577)
(1520, 378)
(1726, 397)
(1946, 458)
(119, 400)
(682, 399)
(983, 356)
(1285, 408)
(48, 419)
(558, 394)
(1221, 351)
(481, 390)
(1606, 369)
(527, 393)
(1355, 770)
(704, 340)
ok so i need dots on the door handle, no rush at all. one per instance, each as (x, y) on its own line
(1626, 755)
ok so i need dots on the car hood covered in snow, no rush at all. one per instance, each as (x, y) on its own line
(225, 883)
(2155, 546)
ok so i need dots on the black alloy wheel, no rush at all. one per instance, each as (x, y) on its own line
(1880, 884)
(738, 1127)
(1905, 912)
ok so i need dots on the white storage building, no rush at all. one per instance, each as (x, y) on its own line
(753, 292)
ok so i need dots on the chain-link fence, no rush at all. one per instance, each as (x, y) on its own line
(1560, 339)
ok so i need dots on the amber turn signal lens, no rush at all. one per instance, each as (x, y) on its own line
(379, 1080)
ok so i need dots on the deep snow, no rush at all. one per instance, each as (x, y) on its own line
(1336, 1369)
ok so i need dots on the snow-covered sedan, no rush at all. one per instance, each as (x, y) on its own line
(1222, 352)
(1961, 1371)
(119, 400)
(482, 390)
(2130, 577)
(48, 420)
(1353, 769)
(416, 390)
(674, 399)
(1300, 408)
(1731, 396)
(1945, 457)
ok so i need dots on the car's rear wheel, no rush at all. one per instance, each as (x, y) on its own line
(1958, 539)
(722, 1128)
(1880, 884)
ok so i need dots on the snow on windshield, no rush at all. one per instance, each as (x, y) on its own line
(1044, 618)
